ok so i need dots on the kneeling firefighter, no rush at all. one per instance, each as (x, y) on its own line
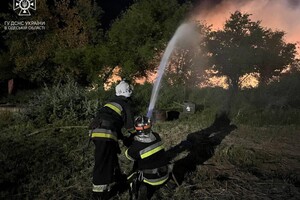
(151, 168)
(105, 131)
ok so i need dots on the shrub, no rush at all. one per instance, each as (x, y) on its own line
(62, 102)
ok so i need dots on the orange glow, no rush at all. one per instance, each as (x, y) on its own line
(249, 81)
(215, 81)
(151, 77)
(274, 14)
(113, 78)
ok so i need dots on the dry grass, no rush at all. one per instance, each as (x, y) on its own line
(249, 163)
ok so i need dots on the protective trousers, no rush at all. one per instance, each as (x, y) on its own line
(106, 166)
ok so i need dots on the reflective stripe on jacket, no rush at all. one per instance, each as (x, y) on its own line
(128, 156)
(152, 149)
(148, 151)
(115, 107)
(104, 133)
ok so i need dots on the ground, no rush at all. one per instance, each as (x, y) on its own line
(249, 163)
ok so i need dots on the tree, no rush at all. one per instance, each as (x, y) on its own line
(244, 47)
(51, 54)
(189, 60)
(28, 50)
(231, 49)
(5, 66)
(137, 37)
(273, 55)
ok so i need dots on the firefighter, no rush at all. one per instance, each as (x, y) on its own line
(151, 168)
(105, 131)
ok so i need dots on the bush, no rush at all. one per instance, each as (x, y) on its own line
(62, 102)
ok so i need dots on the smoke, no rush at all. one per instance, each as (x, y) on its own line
(280, 15)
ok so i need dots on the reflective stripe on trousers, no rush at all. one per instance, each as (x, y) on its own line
(154, 182)
(102, 188)
(157, 181)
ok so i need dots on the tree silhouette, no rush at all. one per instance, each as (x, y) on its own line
(139, 36)
(59, 50)
(244, 46)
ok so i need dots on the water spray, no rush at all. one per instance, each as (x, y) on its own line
(181, 31)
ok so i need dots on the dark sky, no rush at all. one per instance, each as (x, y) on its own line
(4, 5)
(112, 8)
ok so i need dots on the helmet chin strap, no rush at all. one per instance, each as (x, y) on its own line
(145, 138)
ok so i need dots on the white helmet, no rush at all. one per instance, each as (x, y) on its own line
(124, 89)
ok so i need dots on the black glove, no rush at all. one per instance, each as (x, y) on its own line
(127, 141)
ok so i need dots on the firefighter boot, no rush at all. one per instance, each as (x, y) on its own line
(142, 192)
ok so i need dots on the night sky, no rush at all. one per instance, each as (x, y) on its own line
(111, 8)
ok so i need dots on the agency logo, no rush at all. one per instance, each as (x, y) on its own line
(24, 6)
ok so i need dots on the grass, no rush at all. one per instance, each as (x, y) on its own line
(253, 162)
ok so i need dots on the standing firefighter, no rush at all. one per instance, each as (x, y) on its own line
(105, 130)
(151, 167)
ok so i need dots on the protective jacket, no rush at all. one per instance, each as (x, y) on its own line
(105, 131)
(114, 115)
(150, 159)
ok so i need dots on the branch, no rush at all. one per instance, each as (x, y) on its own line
(107, 75)
(244, 79)
(62, 127)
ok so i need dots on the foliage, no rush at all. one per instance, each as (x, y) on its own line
(286, 91)
(82, 59)
(6, 118)
(69, 27)
(245, 47)
(33, 166)
(277, 103)
(5, 66)
(189, 59)
(50, 164)
(141, 97)
(63, 102)
(273, 55)
(142, 32)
